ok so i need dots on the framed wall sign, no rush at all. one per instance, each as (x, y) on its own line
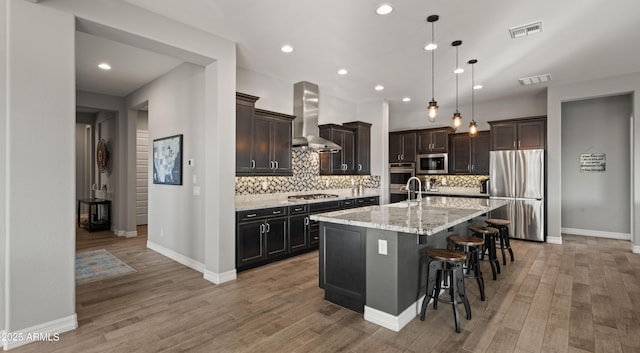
(167, 160)
(593, 162)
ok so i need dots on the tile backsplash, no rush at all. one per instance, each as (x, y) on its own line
(467, 181)
(306, 177)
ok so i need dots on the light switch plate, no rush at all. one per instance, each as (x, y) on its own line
(382, 247)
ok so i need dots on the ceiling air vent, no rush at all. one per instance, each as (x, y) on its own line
(525, 30)
(535, 79)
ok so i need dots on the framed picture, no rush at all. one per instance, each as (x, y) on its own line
(167, 160)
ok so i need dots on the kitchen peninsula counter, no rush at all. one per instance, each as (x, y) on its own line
(369, 258)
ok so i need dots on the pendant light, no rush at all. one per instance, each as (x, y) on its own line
(457, 118)
(433, 105)
(473, 127)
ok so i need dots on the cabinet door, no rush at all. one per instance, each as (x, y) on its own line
(281, 142)
(349, 152)
(276, 237)
(480, 153)
(395, 147)
(244, 138)
(410, 147)
(440, 141)
(460, 155)
(249, 243)
(424, 142)
(363, 151)
(262, 145)
(298, 232)
(503, 136)
(532, 135)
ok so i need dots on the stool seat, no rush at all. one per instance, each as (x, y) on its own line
(497, 222)
(484, 230)
(446, 255)
(465, 240)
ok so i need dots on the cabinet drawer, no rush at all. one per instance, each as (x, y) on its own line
(324, 206)
(349, 203)
(367, 201)
(297, 209)
(261, 213)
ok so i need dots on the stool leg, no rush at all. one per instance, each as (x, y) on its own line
(507, 242)
(431, 285)
(436, 293)
(453, 290)
(495, 255)
(475, 264)
(492, 254)
(458, 274)
(502, 245)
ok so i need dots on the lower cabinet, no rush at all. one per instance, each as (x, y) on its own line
(271, 234)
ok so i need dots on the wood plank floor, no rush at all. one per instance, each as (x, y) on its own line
(582, 296)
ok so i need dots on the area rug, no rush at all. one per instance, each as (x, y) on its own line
(97, 265)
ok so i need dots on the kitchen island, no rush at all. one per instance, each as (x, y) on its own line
(369, 257)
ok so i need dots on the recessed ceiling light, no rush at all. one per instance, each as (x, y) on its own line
(384, 9)
(343, 72)
(104, 66)
(406, 99)
(379, 87)
(286, 49)
(458, 70)
(431, 46)
(477, 87)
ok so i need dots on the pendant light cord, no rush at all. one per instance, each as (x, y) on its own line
(457, 74)
(433, 58)
(473, 80)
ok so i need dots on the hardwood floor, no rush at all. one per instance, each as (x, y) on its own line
(582, 296)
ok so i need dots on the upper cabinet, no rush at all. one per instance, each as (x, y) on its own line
(522, 134)
(343, 162)
(402, 146)
(434, 140)
(469, 155)
(263, 139)
(362, 145)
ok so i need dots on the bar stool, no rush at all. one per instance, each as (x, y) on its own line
(489, 235)
(503, 228)
(444, 263)
(470, 245)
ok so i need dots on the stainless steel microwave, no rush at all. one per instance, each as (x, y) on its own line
(432, 163)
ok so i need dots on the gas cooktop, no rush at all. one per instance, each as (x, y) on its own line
(312, 196)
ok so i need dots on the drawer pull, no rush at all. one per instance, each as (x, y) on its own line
(251, 215)
(277, 212)
(298, 209)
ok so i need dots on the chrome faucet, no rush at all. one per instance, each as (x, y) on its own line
(409, 189)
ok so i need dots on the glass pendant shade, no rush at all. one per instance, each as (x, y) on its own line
(473, 129)
(457, 120)
(433, 111)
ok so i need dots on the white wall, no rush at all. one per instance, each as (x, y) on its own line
(3, 166)
(598, 125)
(177, 106)
(516, 106)
(40, 231)
(275, 95)
(576, 91)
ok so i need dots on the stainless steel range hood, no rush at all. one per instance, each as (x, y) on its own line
(305, 125)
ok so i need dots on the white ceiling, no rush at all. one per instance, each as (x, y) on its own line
(581, 40)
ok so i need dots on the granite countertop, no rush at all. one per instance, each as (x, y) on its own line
(252, 202)
(434, 214)
(452, 190)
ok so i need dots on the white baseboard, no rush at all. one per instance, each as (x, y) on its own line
(189, 262)
(554, 240)
(635, 249)
(126, 234)
(392, 322)
(596, 233)
(218, 278)
(49, 331)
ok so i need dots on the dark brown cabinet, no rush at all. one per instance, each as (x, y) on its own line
(362, 145)
(402, 146)
(270, 234)
(261, 235)
(342, 162)
(263, 139)
(434, 140)
(469, 155)
(519, 134)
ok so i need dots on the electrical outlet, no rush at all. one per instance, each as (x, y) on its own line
(382, 247)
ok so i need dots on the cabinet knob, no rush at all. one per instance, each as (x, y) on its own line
(253, 164)
(359, 167)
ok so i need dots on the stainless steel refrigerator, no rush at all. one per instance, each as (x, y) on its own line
(519, 177)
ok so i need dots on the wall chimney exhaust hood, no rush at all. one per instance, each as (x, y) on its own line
(305, 125)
